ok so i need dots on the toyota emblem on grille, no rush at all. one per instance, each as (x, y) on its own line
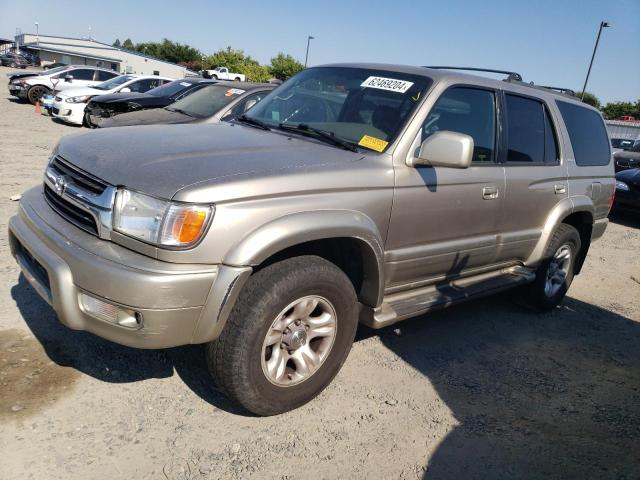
(60, 184)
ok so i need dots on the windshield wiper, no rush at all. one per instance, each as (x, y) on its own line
(329, 137)
(252, 121)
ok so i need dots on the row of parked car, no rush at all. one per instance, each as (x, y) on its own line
(98, 98)
(20, 59)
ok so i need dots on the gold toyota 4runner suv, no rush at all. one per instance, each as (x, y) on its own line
(352, 193)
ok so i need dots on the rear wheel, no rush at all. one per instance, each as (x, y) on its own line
(555, 274)
(287, 337)
(13, 65)
(35, 93)
(237, 79)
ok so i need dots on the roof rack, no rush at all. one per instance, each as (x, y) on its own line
(566, 91)
(511, 76)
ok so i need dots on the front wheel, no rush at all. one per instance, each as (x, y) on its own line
(555, 273)
(287, 337)
(36, 92)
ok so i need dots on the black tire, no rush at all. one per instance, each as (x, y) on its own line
(237, 79)
(86, 121)
(35, 93)
(13, 65)
(534, 294)
(235, 358)
(215, 77)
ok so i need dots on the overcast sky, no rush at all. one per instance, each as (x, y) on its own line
(547, 41)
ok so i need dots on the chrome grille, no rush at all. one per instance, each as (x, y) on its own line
(79, 197)
(80, 178)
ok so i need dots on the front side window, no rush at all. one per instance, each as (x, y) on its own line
(245, 104)
(358, 105)
(82, 74)
(530, 136)
(103, 75)
(588, 135)
(466, 110)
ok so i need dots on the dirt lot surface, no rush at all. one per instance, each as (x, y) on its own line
(485, 390)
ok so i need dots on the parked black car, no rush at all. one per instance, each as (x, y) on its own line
(628, 190)
(31, 57)
(13, 60)
(212, 103)
(627, 159)
(105, 106)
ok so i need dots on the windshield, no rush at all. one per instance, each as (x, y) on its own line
(206, 101)
(169, 89)
(358, 105)
(114, 82)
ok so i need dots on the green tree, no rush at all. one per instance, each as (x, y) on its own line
(255, 72)
(116, 43)
(590, 99)
(613, 110)
(284, 66)
(128, 44)
(234, 60)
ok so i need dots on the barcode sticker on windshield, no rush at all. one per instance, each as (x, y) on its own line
(185, 84)
(390, 84)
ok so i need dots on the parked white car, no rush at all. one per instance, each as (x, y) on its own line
(35, 87)
(223, 73)
(70, 104)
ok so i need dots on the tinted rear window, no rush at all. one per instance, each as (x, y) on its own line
(587, 133)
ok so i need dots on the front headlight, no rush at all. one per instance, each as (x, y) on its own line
(160, 222)
(80, 99)
(622, 186)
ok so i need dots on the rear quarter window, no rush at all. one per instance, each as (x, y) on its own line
(587, 133)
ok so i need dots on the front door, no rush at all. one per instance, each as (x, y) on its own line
(444, 221)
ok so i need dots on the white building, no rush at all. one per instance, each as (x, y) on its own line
(77, 51)
(623, 129)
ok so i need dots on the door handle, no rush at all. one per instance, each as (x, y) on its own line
(560, 188)
(489, 193)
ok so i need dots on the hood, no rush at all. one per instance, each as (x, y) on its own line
(80, 91)
(121, 97)
(631, 176)
(161, 159)
(147, 117)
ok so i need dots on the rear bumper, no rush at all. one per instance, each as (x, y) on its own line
(177, 304)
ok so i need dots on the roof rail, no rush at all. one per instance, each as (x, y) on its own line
(511, 76)
(566, 91)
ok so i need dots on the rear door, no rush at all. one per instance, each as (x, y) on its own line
(536, 174)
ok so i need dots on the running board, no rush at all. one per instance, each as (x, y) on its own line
(402, 305)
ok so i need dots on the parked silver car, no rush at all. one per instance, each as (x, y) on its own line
(352, 193)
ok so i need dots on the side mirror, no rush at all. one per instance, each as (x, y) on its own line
(444, 149)
(68, 77)
(125, 90)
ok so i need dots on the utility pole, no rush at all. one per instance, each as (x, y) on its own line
(603, 24)
(306, 57)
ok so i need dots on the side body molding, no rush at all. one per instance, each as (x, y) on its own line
(297, 228)
(561, 211)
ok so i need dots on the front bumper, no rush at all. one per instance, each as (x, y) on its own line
(17, 90)
(178, 304)
(68, 112)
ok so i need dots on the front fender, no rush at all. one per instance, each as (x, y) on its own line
(297, 228)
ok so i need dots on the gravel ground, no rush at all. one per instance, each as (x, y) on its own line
(483, 390)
